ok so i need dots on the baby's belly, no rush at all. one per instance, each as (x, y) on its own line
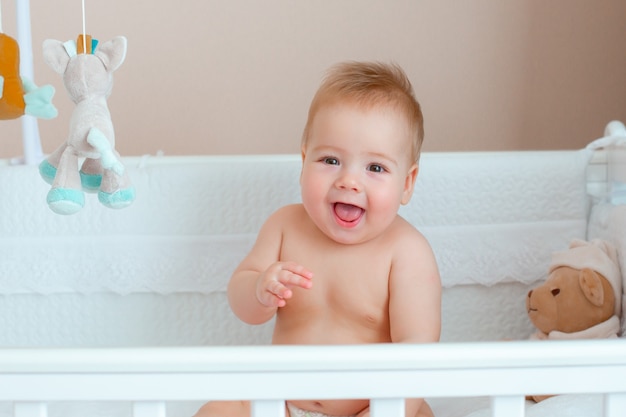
(325, 328)
(333, 407)
(327, 332)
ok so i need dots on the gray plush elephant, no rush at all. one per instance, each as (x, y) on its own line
(87, 69)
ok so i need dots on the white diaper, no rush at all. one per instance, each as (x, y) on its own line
(298, 412)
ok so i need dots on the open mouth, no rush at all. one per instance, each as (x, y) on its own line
(348, 214)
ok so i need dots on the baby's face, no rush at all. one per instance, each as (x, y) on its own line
(356, 171)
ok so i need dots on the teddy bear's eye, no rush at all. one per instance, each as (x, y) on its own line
(555, 291)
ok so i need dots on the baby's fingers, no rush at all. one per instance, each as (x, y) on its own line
(270, 291)
(277, 294)
(270, 300)
(273, 286)
(295, 274)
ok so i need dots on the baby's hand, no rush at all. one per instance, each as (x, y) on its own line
(272, 289)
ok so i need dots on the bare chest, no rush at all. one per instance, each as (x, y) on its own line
(348, 302)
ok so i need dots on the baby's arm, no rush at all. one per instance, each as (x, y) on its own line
(415, 301)
(260, 284)
(415, 292)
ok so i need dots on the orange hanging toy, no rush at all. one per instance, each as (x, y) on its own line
(12, 99)
(19, 95)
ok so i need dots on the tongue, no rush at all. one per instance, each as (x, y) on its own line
(347, 212)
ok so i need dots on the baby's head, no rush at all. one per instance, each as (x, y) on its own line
(367, 85)
(360, 151)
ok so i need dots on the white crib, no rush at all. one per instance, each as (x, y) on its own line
(123, 313)
(386, 373)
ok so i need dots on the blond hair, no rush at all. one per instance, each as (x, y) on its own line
(370, 84)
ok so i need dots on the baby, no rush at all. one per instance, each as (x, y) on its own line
(343, 267)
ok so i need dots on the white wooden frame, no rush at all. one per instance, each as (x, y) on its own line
(33, 153)
(385, 373)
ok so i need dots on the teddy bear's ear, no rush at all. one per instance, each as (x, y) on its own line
(112, 53)
(55, 55)
(591, 284)
(577, 243)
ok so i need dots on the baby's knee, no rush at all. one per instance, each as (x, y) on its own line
(425, 411)
(206, 410)
(224, 409)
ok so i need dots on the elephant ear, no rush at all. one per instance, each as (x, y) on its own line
(55, 55)
(591, 285)
(112, 53)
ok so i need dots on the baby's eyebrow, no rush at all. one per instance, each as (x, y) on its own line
(385, 157)
(326, 148)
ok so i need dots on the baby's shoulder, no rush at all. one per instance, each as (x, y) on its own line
(286, 215)
(407, 237)
(289, 211)
(403, 229)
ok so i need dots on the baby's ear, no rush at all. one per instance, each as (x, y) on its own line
(55, 55)
(112, 53)
(409, 184)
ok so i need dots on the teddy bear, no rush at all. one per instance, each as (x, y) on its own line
(87, 69)
(581, 297)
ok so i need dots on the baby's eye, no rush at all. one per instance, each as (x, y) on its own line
(376, 168)
(331, 161)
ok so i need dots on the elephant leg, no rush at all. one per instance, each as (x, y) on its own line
(66, 196)
(116, 191)
(48, 167)
(91, 175)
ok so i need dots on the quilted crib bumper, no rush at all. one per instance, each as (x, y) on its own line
(492, 219)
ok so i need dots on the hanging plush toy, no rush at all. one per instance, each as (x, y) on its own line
(19, 95)
(87, 69)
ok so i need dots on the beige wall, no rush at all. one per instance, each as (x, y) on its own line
(236, 76)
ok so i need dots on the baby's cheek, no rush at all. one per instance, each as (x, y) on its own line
(385, 203)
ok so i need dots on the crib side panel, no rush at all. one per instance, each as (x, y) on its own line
(139, 274)
(505, 371)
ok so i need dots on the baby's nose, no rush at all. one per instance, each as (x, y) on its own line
(348, 181)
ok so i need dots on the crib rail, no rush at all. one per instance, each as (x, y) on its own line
(386, 374)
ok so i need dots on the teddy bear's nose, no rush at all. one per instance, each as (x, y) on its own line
(530, 293)
(555, 291)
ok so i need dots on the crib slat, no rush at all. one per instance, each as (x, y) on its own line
(507, 406)
(268, 408)
(30, 409)
(393, 407)
(149, 409)
(615, 405)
